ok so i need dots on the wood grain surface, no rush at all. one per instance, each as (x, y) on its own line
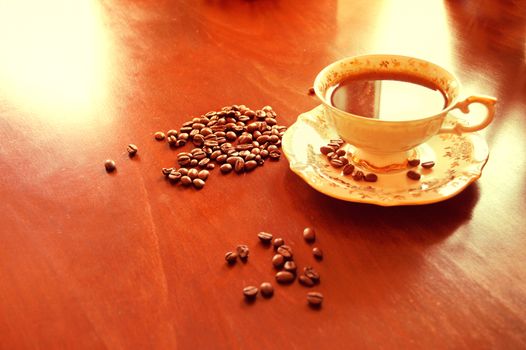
(90, 260)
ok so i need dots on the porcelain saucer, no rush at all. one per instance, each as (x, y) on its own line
(459, 160)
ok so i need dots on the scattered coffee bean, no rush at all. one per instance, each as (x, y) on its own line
(172, 133)
(186, 180)
(318, 253)
(250, 292)
(413, 162)
(278, 242)
(251, 165)
(336, 163)
(290, 266)
(225, 168)
(309, 234)
(306, 281)
(159, 135)
(358, 175)
(286, 251)
(428, 165)
(278, 260)
(285, 277)
(371, 177)
(109, 165)
(193, 173)
(413, 175)
(326, 150)
(198, 183)
(314, 299)
(242, 251)
(348, 169)
(203, 174)
(266, 289)
(174, 176)
(311, 91)
(132, 149)
(231, 257)
(311, 273)
(265, 237)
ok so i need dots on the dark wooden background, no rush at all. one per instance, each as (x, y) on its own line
(90, 260)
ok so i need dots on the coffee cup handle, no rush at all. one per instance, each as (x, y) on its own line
(458, 127)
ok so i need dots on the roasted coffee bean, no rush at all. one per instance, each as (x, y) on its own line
(341, 153)
(183, 136)
(203, 174)
(278, 260)
(336, 163)
(172, 141)
(358, 175)
(314, 299)
(193, 163)
(183, 171)
(222, 158)
(251, 165)
(242, 251)
(198, 139)
(186, 180)
(413, 162)
(311, 273)
(109, 165)
(290, 266)
(306, 281)
(231, 257)
(428, 165)
(331, 155)
(174, 176)
(198, 153)
(171, 133)
(203, 162)
(184, 160)
(210, 166)
(272, 148)
(311, 91)
(263, 138)
(309, 234)
(285, 277)
(193, 173)
(239, 167)
(132, 149)
(198, 126)
(225, 168)
(275, 155)
(266, 289)
(198, 183)
(263, 153)
(286, 251)
(180, 143)
(278, 242)
(318, 253)
(265, 237)
(206, 131)
(159, 135)
(348, 169)
(250, 292)
(166, 171)
(371, 177)
(344, 160)
(233, 160)
(413, 175)
(215, 154)
(185, 130)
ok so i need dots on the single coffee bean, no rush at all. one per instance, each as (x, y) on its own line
(203, 163)
(309, 234)
(210, 166)
(428, 165)
(198, 183)
(239, 167)
(286, 251)
(336, 163)
(171, 133)
(172, 141)
(193, 173)
(166, 171)
(278, 242)
(413, 175)
(278, 260)
(203, 174)
(285, 277)
(221, 159)
(109, 165)
(231, 257)
(132, 149)
(251, 165)
(348, 169)
(290, 266)
(371, 177)
(266, 289)
(275, 155)
(306, 281)
(186, 180)
(341, 153)
(242, 251)
(250, 292)
(180, 143)
(413, 162)
(318, 253)
(311, 273)
(358, 175)
(314, 299)
(174, 176)
(159, 135)
(225, 168)
(183, 171)
(265, 237)
(193, 163)
(344, 160)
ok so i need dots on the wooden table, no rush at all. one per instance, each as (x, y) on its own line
(93, 260)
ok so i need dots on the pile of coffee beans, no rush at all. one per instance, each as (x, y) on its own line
(337, 158)
(235, 138)
(283, 261)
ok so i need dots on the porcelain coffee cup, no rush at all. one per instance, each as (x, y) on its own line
(386, 145)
